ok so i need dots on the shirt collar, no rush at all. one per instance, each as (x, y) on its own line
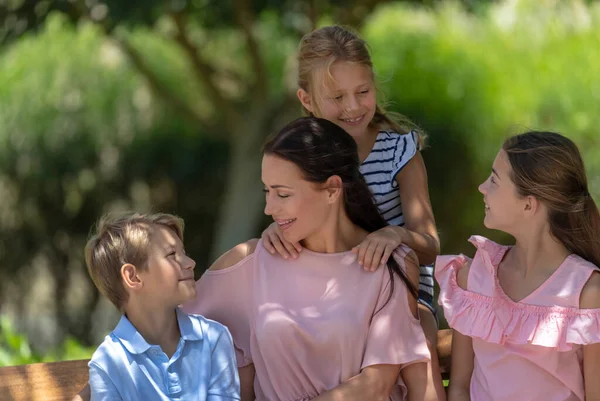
(189, 327)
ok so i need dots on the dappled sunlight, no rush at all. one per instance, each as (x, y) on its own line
(43, 382)
(88, 128)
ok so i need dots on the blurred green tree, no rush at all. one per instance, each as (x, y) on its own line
(244, 86)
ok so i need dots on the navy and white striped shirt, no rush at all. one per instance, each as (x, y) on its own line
(391, 152)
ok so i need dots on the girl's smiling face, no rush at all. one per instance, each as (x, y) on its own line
(345, 96)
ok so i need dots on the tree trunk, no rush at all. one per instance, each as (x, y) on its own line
(243, 200)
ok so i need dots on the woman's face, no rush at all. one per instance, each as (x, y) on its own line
(298, 206)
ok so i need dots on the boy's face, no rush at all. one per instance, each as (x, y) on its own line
(169, 276)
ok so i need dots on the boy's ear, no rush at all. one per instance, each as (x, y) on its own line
(130, 276)
(305, 99)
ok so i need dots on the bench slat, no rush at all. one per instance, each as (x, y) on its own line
(52, 381)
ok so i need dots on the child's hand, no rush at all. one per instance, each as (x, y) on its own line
(273, 242)
(377, 247)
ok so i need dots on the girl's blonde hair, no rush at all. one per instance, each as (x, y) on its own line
(325, 46)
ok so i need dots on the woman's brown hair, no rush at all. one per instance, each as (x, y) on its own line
(322, 149)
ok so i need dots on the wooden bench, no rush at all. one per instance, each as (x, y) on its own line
(56, 381)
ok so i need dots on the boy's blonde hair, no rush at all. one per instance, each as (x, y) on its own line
(325, 46)
(122, 239)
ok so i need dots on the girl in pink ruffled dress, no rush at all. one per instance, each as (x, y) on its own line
(526, 317)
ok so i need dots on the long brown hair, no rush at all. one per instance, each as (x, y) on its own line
(325, 46)
(548, 166)
(322, 149)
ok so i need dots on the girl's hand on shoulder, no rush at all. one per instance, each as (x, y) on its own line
(274, 242)
(377, 247)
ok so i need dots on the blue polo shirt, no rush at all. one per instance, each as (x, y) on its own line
(203, 368)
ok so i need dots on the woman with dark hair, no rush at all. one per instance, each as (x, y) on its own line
(526, 318)
(319, 327)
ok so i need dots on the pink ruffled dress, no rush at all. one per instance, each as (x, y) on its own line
(527, 350)
(311, 323)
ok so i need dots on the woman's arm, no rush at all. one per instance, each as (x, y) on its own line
(377, 381)
(419, 383)
(373, 383)
(419, 232)
(235, 255)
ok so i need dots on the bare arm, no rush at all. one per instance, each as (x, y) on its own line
(376, 382)
(419, 383)
(462, 368)
(373, 383)
(462, 354)
(419, 232)
(590, 299)
(247, 374)
(234, 255)
(591, 364)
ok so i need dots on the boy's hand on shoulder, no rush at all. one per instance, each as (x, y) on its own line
(235, 255)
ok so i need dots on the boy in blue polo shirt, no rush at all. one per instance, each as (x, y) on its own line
(156, 352)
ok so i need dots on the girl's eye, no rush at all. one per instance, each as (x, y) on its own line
(283, 196)
(493, 181)
(172, 253)
(364, 92)
(338, 98)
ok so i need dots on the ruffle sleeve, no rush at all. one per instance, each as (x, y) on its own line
(498, 319)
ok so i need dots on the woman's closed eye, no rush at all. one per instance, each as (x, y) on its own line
(283, 196)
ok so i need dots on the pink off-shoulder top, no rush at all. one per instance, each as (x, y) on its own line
(527, 350)
(312, 323)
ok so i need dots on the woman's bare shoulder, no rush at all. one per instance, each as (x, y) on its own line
(235, 255)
